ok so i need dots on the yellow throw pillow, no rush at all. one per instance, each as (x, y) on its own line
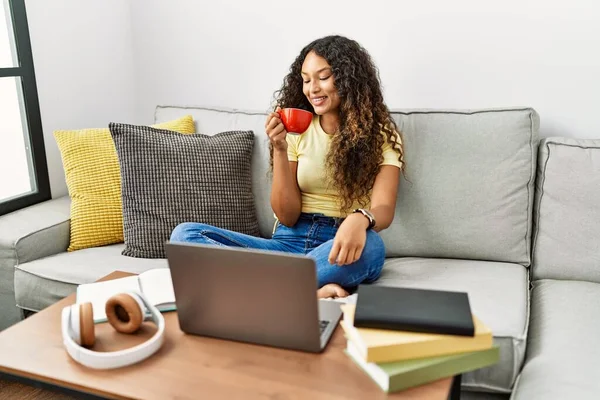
(93, 179)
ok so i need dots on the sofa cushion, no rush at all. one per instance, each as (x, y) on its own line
(498, 293)
(94, 181)
(566, 242)
(43, 282)
(562, 347)
(210, 121)
(468, 188)
(170, 178)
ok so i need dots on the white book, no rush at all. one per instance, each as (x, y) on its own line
(155, 284)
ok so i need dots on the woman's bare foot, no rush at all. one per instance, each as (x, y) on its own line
(331, 290)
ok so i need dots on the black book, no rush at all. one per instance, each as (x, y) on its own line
(415, 310)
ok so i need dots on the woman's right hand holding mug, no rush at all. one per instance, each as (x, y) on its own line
(276, 131)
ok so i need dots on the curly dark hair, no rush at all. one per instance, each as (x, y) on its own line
(355, 154)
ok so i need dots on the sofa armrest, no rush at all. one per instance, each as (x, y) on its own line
(34, 232)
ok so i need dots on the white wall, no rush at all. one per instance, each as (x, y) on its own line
(82, 51)
(459, 54)
(115, 60)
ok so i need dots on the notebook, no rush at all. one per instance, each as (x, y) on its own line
(384, 345)
(155, 284)
(400, 375)
(417, 310)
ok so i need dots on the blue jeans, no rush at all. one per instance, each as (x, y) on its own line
(312, 235)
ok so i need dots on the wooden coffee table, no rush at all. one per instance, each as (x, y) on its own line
(186, 367)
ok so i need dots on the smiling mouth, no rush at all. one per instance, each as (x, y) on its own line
(317, 101)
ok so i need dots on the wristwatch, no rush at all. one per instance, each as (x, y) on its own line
(367, 214)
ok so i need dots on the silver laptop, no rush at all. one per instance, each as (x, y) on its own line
(252, 296)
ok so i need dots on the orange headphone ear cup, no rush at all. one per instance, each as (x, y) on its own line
(86, 325)
(124, 313)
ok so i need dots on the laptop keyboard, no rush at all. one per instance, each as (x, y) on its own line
(323, 325)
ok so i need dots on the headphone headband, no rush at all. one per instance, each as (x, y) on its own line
(114, 359)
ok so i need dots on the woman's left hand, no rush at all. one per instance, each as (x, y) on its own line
(350, 240)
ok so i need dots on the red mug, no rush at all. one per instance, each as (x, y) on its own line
(295, 120)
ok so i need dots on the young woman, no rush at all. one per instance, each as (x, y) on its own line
(335, 185)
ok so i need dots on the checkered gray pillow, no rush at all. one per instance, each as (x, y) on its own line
(169, 178)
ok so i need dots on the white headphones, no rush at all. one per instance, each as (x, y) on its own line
(125, 312)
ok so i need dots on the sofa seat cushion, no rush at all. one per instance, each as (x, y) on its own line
(562, 351)
(498, 293)
(43, 282)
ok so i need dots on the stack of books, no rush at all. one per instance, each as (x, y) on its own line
(406, 337)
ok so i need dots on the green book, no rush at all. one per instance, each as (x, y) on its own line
(400, 375)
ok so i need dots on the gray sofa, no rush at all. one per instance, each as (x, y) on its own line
(478, 211)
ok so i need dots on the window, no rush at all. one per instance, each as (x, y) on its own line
(23, 170)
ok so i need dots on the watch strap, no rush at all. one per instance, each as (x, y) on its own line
(367, 214)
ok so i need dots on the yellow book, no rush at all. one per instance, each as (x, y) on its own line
(379, 346)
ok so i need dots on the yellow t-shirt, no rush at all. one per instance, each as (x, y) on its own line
(309, 150)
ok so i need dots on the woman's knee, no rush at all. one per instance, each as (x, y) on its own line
(373, 254)
(374, 244)
(186, 231)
